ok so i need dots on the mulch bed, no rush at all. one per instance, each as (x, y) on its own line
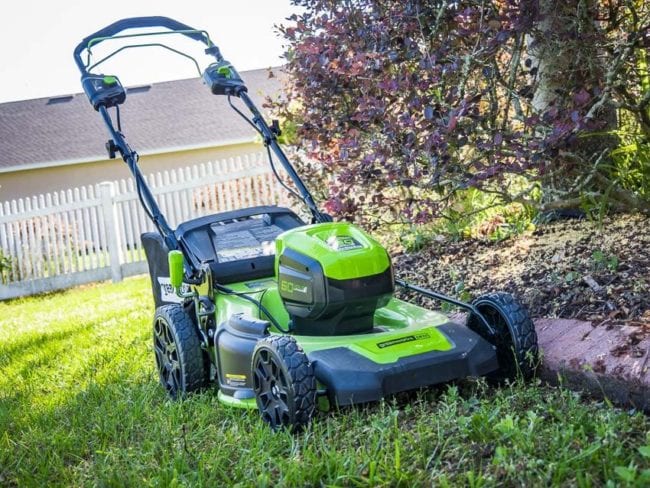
(575, 269)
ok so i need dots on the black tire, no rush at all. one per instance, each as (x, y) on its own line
(284, 383)
(516, 339)
(179, 358)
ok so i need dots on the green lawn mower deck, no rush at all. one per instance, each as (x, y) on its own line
(408, 348)
(286, 316)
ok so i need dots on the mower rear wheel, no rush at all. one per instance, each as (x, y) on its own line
(179, 358)
(284, 382)
(515, 339)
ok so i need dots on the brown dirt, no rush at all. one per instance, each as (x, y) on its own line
(575, 269)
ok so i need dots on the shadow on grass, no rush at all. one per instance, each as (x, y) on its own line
(41, 340)
(57, 441)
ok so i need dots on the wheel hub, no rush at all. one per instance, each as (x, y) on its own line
(166, 355)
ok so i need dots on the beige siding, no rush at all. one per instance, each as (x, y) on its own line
(36, 181)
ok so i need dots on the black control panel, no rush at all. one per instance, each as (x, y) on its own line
(223, 79)
(103, 90)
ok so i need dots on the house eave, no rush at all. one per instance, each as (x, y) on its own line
(96, 159)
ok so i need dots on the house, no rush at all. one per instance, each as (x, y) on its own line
(51, 144)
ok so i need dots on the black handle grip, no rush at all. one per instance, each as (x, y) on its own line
(137, 22)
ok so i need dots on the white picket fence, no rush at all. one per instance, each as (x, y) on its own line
(92, 233)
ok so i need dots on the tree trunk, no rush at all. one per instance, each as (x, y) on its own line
(562, 62)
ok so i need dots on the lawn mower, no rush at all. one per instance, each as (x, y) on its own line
(289, 315)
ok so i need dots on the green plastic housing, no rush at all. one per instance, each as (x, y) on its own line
(343, 250)
(175, 259)
(331, 278)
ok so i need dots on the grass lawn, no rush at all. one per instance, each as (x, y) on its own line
(80, 405)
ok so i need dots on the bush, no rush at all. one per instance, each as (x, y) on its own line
(5, 266)
(401, 107)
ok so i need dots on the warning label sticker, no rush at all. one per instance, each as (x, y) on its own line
(167, 293)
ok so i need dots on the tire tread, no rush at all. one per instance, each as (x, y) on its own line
(521, 328)
(301, 376)
(194, 376)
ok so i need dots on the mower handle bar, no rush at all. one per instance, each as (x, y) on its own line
(130, 157)
(142, 22)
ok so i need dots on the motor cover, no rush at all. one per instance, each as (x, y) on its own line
(331, 278)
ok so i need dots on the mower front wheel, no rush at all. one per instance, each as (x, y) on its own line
(284, 383)
(179, 358)
(515, 338)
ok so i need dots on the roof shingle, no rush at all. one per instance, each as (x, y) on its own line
(167, 115)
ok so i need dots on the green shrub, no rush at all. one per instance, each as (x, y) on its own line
(5, 266)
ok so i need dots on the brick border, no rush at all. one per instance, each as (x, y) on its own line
(581, 356)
